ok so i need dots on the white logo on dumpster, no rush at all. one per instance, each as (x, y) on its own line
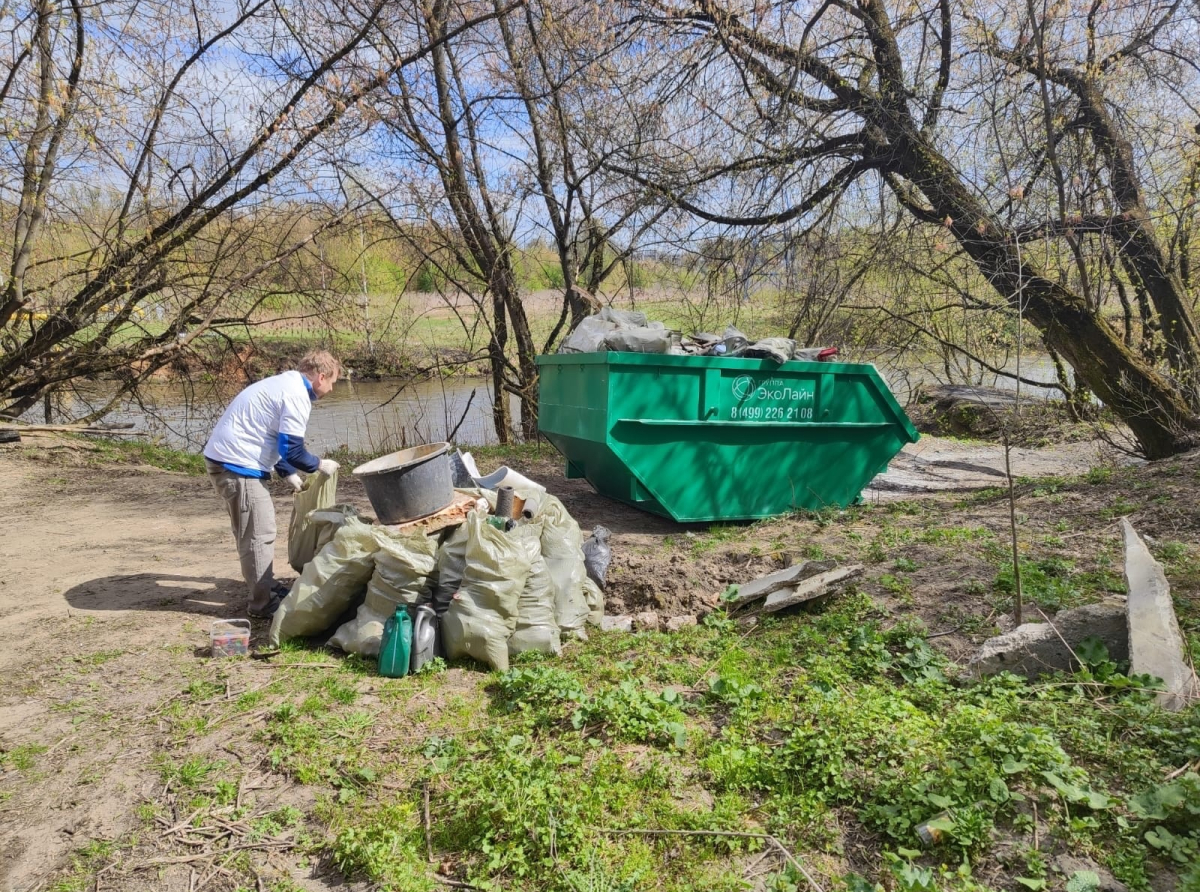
(774, 399)
(742, 388)
(746, 387)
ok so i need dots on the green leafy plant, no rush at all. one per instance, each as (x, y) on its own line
(1171, 812)
(383, 845)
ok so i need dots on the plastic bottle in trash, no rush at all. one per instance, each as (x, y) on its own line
(395, 650)
(424, 635)
(930, 832)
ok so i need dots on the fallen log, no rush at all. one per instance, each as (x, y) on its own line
(120, 430)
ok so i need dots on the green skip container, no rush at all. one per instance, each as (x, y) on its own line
(700, 438)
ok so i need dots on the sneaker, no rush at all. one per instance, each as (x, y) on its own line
(268, 611)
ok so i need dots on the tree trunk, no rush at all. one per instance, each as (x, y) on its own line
(1154, 408)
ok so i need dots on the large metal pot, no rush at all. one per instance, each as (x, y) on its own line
(408, 484)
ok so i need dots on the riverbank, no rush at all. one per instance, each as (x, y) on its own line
(130, 760)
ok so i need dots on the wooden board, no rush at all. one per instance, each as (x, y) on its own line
(450, 516)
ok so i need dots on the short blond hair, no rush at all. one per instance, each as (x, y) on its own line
(319, 362)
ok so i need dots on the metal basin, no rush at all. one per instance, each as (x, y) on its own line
(408, 484)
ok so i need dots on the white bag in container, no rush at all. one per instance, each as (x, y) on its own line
(626, 318)
(639, 340)
(588, 336)
(483, 613)
(403, 565)
(331, 583)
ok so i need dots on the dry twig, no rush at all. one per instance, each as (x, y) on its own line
(428, 830)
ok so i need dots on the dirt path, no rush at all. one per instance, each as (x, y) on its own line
(109, 577)
(103, 571)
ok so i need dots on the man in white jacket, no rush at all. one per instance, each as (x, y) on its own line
(263, 428)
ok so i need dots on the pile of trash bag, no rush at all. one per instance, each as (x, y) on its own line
(626, 331)
(496, 592)
(623, 331)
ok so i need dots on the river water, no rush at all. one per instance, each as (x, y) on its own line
(381, 416)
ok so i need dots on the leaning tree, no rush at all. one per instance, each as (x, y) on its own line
(165, 169)
(1053, 143)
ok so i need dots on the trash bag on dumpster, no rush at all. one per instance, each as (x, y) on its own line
(329, 584)
(320, 491)
(778, 350)
(484, 612)
(536, 628)
(403, 565)
(588, 336)
(624, 318)
(561, 541)
(639, 340)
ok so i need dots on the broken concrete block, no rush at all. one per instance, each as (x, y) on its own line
(1155, 643)
(616, 624)
(810, 588)
(772, 582)
(675, 623)
(1069, 866)
(646, 622)
(1035, 649)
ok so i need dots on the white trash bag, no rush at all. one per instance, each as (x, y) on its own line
(319, 492)
(562, 549)
(403, 565)
(329, 584)
(483, 614)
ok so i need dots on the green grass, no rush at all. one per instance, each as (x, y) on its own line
(820, 728)
(100, 657)
(85, 861)
(21, 758)
(108, 452)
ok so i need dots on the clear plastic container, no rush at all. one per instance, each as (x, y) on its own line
(230, 638)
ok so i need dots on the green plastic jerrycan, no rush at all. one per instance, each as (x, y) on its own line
(395, 650)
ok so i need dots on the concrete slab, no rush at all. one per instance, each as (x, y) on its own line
(1155, 643)
(647, 621)
(937, 464)
(807, 590)
(1035, 649)
(675, 623)
(780, 579)
(616, 623)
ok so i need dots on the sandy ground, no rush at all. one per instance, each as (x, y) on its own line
(109, 580)
(129, 561)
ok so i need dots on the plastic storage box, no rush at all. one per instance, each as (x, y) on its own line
(230, 637)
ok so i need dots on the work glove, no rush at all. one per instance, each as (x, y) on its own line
(294, 481)
(327, 466)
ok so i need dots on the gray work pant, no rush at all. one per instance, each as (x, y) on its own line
(252, 519)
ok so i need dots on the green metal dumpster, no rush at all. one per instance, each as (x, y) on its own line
(702, 438)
